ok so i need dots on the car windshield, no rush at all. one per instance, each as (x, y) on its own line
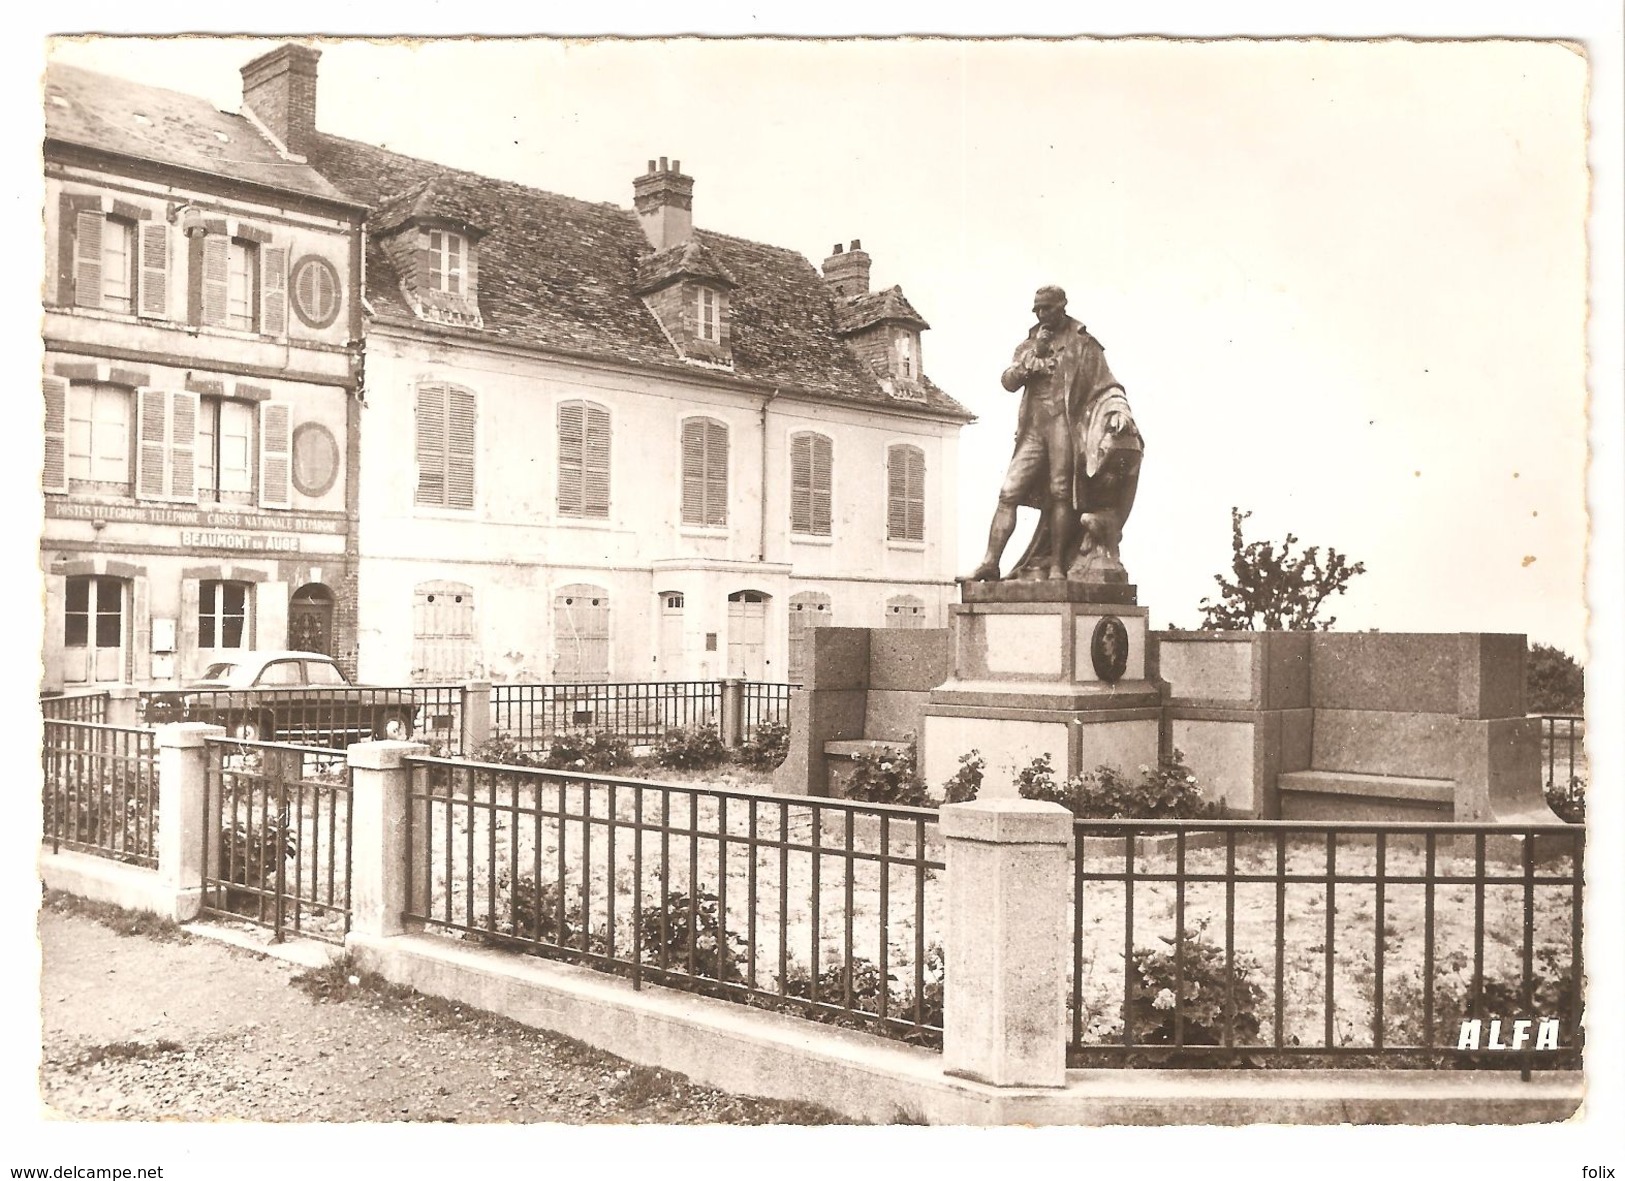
(222, 671)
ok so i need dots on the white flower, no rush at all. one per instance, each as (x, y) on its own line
(1144, 770)
(1190, 779)
(1164, 999)
(355, 980)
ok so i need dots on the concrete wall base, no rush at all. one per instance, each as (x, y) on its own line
(866, 1078)
(127, 886)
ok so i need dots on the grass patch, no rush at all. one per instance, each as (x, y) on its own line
(116, 918)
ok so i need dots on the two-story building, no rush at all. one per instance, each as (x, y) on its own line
(202, 323)
(599, 443)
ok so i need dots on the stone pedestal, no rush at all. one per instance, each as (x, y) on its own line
(1044, 667)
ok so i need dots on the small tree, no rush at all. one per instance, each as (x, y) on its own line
(1554, 682)
(1276, 589)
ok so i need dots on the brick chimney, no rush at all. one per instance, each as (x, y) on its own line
(279, 88)
(664, 199)
(848, 270)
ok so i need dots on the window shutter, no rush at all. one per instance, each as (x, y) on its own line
(915, 495)
(216, 278)
(694, 472)
(716, 474)
(571, 453)
(595, 490)
(801, 515)
(153, 300)
(822, 472)
(87, 258)
(56, 433)
(152, 444)
(183, 419)
(460, 450)
(276, 454)
(274, 290)
(431, 445)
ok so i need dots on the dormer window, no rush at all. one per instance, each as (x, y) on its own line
(907, 363)
(448, 252)
(709, 306)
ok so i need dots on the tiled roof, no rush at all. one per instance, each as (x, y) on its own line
(878, 307)
(560, 273)
(424, 199)
(114, 115)
(690, 258)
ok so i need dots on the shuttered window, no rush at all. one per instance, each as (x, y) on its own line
(166, 466)
(905, 611)
(54, 477)
(445, 446)
(581, 634)
(905, 494)
(153, 272)
(583, 460)
(243, 285)
(808, 610)
(705, 472)
(276, 454)
(87, 257)
(119, 252)
(811, 476)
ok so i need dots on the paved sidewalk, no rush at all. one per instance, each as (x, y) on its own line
(143, 1028)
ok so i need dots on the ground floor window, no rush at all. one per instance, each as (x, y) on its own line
(222, 617)
(906, 611)
(581, 634)
(94, 629)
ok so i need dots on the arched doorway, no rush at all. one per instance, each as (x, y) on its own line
(310, 619)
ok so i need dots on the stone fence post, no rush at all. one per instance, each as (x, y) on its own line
(380, 794)
(183, 778)
(733, 712)
(476, 716)
(123, 706)
(1008, 933)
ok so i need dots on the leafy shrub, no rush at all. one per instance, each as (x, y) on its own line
(1404, 1012)
(532, 912)
(1568, 800)
(1166, 792)
(666, 935)
(964, 783)
(867, 990)
(695, 748)
(767, 747)
(250, 852)
(596, 750)
(113, 808)
(503, 748)
(1201, 994)
(884, 776)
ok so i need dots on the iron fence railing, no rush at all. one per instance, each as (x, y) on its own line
(1281, 943)
(820, 907)
(276, 837)
(318, 716)
(639, 712)
(1562, 740)
(101, 790)
(74, 707)
(764, 702)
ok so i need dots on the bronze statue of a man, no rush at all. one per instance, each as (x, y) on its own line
(1077, 455)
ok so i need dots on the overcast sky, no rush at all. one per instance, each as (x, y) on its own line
(1342, 283)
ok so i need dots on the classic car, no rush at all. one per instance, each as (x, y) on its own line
(290, 696)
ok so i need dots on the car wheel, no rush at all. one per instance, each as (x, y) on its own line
(394, 726)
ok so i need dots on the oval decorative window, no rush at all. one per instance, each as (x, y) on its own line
(316, 291)
(315, 458)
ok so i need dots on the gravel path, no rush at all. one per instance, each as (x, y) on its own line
(157, 1025)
